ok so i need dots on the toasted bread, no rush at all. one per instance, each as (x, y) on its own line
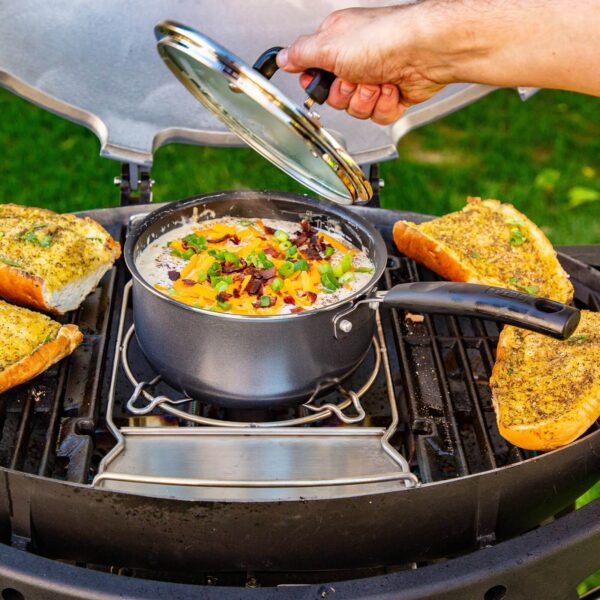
(546, 392)
(50, 261)
(31, 342)
(489, 243)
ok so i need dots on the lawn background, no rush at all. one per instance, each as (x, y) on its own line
(542, 155)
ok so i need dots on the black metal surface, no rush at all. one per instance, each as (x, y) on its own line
(440, 369)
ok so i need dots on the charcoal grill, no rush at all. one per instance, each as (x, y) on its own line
(425, 499)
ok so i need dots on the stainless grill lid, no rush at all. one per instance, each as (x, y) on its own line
(288, 135)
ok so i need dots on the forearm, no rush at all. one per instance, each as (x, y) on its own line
(541, 43)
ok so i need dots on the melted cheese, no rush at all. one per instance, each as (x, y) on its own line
(67, 247)
(22, 331)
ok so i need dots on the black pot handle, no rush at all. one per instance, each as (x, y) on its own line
(497, 304)
(317, 89)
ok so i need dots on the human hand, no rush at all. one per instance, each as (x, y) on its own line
(380, 72)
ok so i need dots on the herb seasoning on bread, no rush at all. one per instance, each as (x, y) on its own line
(49, 261)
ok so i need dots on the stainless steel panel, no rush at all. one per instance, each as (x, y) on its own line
(95, 63)
(260, 459)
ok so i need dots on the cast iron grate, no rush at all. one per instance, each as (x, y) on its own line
(53, 426)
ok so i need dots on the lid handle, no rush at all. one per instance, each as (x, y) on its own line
(317, 89)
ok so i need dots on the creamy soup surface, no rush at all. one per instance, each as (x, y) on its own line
(254, 266)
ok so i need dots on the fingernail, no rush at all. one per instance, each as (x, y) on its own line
(366, 93)
(346, 88)
(387, 90)
(282, 58)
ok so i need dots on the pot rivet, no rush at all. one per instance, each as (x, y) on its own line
(346, 326)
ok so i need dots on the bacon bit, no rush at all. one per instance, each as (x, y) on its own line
(265, 274)
(223, 297)
(307, 228)
(189, 281)
(270, 251)
(231, 268)
(300, 240)
(235, 239)
(236, 292)
(219, 240)
(289, 300)
(173, 275)
(255, 287)
(311, 253)
(312, 297)
(297, 309)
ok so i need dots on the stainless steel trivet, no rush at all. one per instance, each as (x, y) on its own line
(236, 461)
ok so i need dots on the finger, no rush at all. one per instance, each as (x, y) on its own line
(340, 94)
(307, 51)
(363, 101)
(388, 108)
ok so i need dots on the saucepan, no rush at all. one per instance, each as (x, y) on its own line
(262, 361)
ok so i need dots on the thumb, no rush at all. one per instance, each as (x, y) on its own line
(306, 52)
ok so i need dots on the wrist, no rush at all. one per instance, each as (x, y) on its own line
(453, 41)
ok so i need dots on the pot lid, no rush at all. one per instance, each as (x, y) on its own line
(287, 134)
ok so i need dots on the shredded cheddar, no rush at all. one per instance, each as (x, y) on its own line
(248, 268)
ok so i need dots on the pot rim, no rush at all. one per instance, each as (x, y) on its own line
(343, 213)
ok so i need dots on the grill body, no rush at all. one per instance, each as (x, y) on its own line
(477, 490)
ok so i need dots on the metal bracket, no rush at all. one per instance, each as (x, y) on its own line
(342, 324)
(376, 184)
(135, 184)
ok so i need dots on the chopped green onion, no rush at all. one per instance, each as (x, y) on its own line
(224, 305)
(198, 242)
(291, 251)
(201, 276)
(283, 246)
(218, 254)
(221, 286)
(246, 223)
(286, 268)
(530, 289)
(277, 284)
(337, 270)
(185, 255)
(365, 269)
(263, 262)
(518, 222)
(329, 251)
(214, 270)
(346, 262)
(329, 281)
(348, 277)
(31, 236)
(517, 238)
(578, 339)
(281, 236)
(231, 258)
(265, 301)
(325, 268)
(301, 265)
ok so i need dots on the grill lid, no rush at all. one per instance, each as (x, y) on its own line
(95, 63)
(288, 135)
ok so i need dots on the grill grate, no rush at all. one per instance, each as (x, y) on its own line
(54, 426)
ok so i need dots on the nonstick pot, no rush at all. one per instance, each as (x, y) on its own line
(254, 361)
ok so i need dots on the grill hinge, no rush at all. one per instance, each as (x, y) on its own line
(135, 184)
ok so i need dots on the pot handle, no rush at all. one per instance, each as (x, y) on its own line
(317, 89)
(483, 301)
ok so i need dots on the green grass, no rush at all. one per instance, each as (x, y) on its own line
(542, 155)
(533, 154)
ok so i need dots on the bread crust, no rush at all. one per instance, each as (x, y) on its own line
(66, 340)
(441, 259)
(27, 289)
